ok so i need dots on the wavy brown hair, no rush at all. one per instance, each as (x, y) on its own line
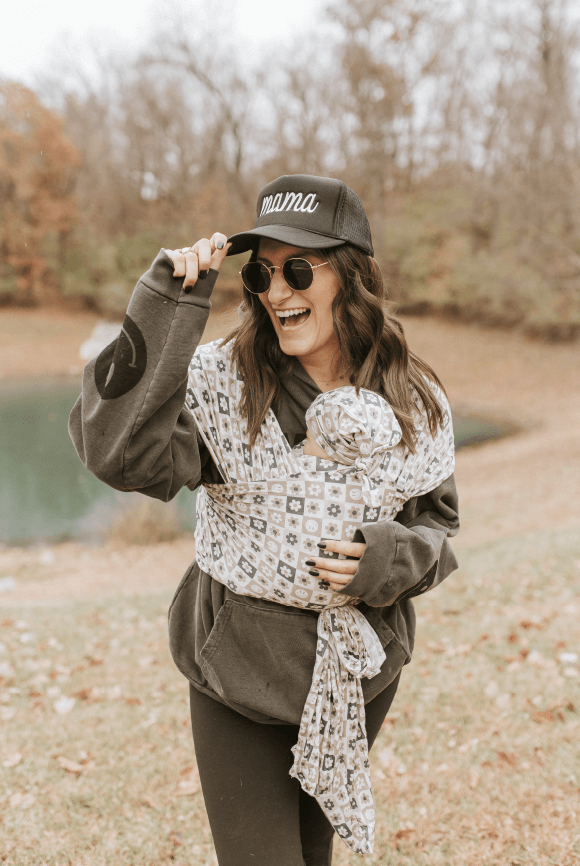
(371, 342)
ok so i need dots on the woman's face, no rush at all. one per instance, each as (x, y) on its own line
(308, 334)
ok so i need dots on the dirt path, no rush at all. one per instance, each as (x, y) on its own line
(526, 483)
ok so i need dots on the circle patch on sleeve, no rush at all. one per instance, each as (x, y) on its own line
(121, 365)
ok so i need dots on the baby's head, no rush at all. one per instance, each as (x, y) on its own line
(353, 428)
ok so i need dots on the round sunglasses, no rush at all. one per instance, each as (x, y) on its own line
(298, 274)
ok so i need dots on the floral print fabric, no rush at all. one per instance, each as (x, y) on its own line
(255, 532)
(355, 429)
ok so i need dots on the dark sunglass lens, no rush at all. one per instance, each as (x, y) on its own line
(256, 277)
(298, 274)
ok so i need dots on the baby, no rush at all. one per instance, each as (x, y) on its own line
(352, 429)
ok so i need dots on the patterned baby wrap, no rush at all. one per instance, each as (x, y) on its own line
(255, 532)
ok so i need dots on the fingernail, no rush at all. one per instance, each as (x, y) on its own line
(325, 584)
(187, 289)
(220, 245)
(202, 275)
(321, 545)
(310, 562)
(314, 572)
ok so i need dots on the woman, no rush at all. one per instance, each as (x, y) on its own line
(314, 319)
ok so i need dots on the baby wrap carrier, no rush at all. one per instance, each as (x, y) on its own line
(255, 532)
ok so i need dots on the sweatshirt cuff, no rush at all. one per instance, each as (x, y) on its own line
(377, 561)
(159, 278)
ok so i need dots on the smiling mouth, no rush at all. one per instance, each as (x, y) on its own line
(292, 318)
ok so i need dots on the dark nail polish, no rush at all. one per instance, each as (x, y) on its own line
(321, 545)
(202, 275)
(187, 289)
(220, 245)
(310, 562)
(314, 572)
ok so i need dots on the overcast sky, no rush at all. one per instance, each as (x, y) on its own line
(32, 32)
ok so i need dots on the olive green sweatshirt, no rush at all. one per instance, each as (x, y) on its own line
(131, 430)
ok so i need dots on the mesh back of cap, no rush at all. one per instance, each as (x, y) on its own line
(352, 223)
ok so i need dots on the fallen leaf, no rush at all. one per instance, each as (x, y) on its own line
(404, 833)
(543, 716)
(188, 789)
(540, 755)
(84, 694)
(70, 766)
(508, 758)
(189, 784)
(474, 778)
(132, 701)
(532, 622)
(12, 760)
(436, 647)
(147, 801)
(22, 801)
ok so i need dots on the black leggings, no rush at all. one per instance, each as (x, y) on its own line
(259, 815)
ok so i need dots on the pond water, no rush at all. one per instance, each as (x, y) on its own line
(47, 494)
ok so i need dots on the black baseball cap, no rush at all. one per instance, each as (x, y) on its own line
(308, 212)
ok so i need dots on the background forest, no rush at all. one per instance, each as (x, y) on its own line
(458, 127)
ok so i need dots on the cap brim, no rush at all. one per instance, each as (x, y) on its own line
(244, 241)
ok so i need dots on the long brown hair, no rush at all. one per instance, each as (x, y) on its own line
(371, 342)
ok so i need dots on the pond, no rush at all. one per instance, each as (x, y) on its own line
(47, 494)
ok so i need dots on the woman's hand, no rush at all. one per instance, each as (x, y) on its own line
(194, 262)
(338, 572)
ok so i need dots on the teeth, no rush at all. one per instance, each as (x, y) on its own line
(283, 313)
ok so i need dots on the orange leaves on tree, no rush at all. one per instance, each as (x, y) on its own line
(37, 209)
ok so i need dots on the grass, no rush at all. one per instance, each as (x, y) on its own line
(150, 522)
(476, 765)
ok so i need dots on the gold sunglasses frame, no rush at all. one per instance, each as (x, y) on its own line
(272, 268)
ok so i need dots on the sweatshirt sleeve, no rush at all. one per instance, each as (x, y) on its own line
(411, 554)
(129, 425)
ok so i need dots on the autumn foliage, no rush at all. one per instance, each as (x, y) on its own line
(457, 123)
(37, 207)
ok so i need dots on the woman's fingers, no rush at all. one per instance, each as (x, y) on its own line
(336, 566)
(220, 247)
(194, 262)
(347, 548)
(204, 253)
(338, 572)
(191, 269)
(178, 260)
(337, 577)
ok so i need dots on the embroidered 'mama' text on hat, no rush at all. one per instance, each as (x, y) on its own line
(307, 212)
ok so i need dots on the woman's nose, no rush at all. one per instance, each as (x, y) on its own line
(279, 289)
